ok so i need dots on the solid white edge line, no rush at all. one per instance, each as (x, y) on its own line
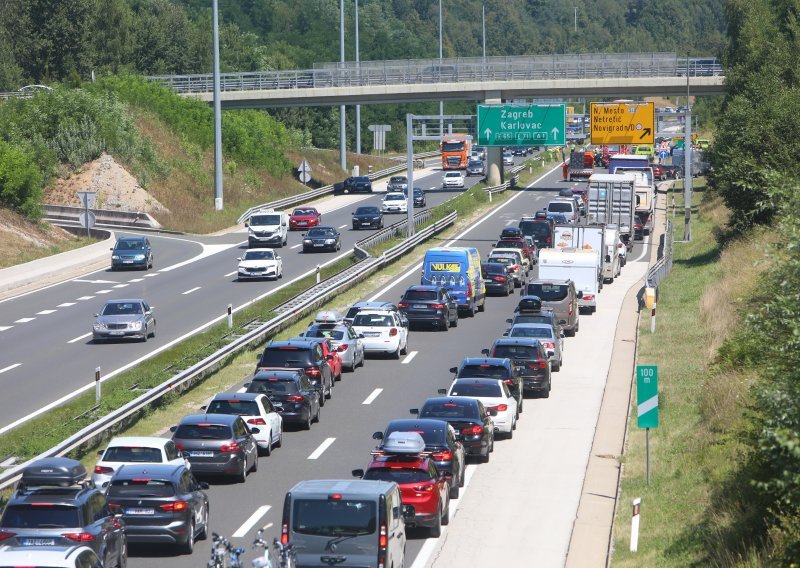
(164, 347)
(321, 449)
(84, 336)
(373, 395)
(195, 289)
(645, 249)
(416, 267)
(409, 357)
(14, 366)
(250, 523)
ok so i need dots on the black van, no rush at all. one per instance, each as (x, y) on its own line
(540, 228)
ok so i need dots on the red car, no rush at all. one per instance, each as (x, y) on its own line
(658, 172)
(304, 218)
(421, 486)
(519, 243)
(331, 355)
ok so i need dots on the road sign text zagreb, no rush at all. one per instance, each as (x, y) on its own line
(508, 125)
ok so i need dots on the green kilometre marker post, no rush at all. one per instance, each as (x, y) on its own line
(647, 403)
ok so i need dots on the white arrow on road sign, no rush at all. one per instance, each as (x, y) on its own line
(555, 132)
(487, 132)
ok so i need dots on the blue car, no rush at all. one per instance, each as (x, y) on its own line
(132, 252)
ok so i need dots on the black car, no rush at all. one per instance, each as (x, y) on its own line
(541, 229)
(419, 197)
(305, 354)
(492, 368)
(217, 444)
(322, 238)
(132, 252)
(160, 503)
(520, 150)
(295, 397)
(367, 216)
(672, 171)
(357, 183)
(530, 359)
(497, 278)
(468, 417)
(511, 233)
(56, 505)
(440, 440)
(429, 305)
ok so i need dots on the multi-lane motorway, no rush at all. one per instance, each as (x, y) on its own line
(189, 295)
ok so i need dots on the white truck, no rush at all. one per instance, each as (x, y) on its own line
(576, 265)
(645, 200)
(614, 254)
(612, 201)
(585, 238)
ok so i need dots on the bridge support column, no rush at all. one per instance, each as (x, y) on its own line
(494, 155)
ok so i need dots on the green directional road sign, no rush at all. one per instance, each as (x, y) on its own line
(647, 395)
(510, 125)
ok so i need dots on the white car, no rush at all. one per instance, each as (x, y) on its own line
(382, 332)
(260, 263)
(135, 450)
(495, 396)
(453, 179)
(522, 260)
(508, 159)
(257, 411)
(53, 556)
(394, 202)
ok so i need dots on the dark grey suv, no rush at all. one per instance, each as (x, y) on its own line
(56, 505)
(160, 503)
(560, 296)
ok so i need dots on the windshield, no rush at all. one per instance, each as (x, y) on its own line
(367, 211)
(41, 516)
(203, 432)
(298, 212)
(130, 245)
(259, 255)
(334, 334)
(132, 455)
(453, 175)
(285, 357)
(265, 220)
(532, 319)
(322, 232)
(475, 163)
(121, 309)
(420, 295)
(476, 389)
(510, 244)
(504, 260)
(273, 386)
(484, 370)
(141, 488)
(524, 331)
(361, 179)
(515, 351)
(399, 476)
(560, 207)
(452, 146)
(548, 292)
(449, 409)
(398, 179)
(240, 407)
(395, 197)
(334, 517)
(374, 320)
(535, 228)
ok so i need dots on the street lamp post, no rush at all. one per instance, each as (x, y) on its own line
(575, 27)
(342, 133)
(441, 103)
(217, 113)
(483, 26)
(358, 107)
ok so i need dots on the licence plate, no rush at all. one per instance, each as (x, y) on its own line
(419, 306)
(116, 333)
(127, 262)
(38, 542)
(372, 333)
(201, 454)
(365, 223)
(140, 511)
(318, 244)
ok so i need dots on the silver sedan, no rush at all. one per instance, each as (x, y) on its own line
(121, 319)
(343, 338)
(551, 339)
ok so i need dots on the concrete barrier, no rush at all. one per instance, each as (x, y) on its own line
(102, 216)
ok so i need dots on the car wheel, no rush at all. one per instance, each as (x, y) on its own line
(546, 394)
(520, 406)
(444, 325)
(307, 423)
(268, 450)
(322, 398)
(510, 433)
(316, 418)
(436, 530)
(461, 481)
(405, 349)
(454, 491)
(485, 457)
(122, 557)
(188, 546)
(338, 246)
(153, 333)
(255, 463)
(455, 321)
(330, 391)
(396, 354)
(145, 336)
(241, 477)
(204, 534)
(279, 443)
(557, 368)
(446, 516)
(482, 307)
(355, 228)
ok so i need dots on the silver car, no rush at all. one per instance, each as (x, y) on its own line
(123, 319)
(551, 339)
(343, 338)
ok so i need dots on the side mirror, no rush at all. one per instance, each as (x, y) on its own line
(492, 412)
(441, 391)
(361, 336)
(562, 322)
(358, 473)
(204, 407)
(454, 370)
(414, 411)
(111, 249)
(185, 455)
(485, 352)
(494, 245)
(247, 223)
(409, 512)
(329, 357)
(239, 258)
(277, 257)
(377, 436)
(173, 428)
(505, 334)
(246, 385)
(278, 407)
(561, 334)
(254, 430)
(97, 315)
(580, 295)
(342, 348)
(100, 453)
(203, 485)
(520, 369)
(509, 320)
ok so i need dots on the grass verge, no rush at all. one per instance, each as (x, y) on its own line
(693, 450)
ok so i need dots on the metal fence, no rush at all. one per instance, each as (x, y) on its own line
(511, 182)
(663, 265)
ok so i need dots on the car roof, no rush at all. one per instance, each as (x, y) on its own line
(347, 488)
(261, 249)
(125, 301)
(141, 441)
(399, 462)
(424, 287)
(244, 396)
(515, 341)
(404, 424)
(550, 281)
(285, 374)
(374, 311)
(135, 238)
(499, 361)
(451, 399)
(162, 470)
(221, 419)
(298, 342)
(477, 381)
(394, 193)
(318, 227)
(531, 325)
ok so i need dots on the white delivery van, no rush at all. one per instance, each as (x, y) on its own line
(267, 228)
(612, 257)
(575, 265)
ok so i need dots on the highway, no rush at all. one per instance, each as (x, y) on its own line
(385, 389)
(47, 353)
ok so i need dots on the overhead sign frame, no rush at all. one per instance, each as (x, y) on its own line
(622, 123)
(519, 125)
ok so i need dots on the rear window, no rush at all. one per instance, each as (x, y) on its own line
(420, 295)
(432, 436)
(273, 386)
(517, 331)
(203, 432)
(398, 475)
(484, 370)
(510, 244)
(476, 389)
(334, 334)
(560, 207)
(493, 269)
(535, 228)
(240, 407)
(515, 351)
(367, 211)
(141, 488)
(533, 319)
(374, 320)
(334, 517)
(504, 260)
(131, 454)
(448, 410)
(286, 357)
(549, 292)
(398, 179)
(41, 517)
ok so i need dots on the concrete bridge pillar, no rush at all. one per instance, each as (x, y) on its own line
(494, 154)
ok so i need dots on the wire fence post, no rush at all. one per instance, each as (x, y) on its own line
(97, 394)
(230, 316)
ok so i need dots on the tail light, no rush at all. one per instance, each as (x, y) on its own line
(472, 430)
(179, 446)
(312, 371)
(539, 364)
(295, 398)
(499, 407)
(232, 447)
(285, 534)
(176, 506)
(427, 486)
(257, 421)
(514, 267)
(403, 305)
(437, 306)
(343, 347)
(444, 455)
(549, 344)
(499, 278)
(508, 382)
(6, 535)
(79, 537)
(570, 309)
(469, 289)
(588, 296)
(383, 542)
(103, 470)
(548, 240)
(393, 332)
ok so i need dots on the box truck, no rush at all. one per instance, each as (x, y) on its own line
(612, 200)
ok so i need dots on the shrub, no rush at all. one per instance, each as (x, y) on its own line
(20, 180)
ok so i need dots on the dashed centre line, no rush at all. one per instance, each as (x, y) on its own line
(24, 320)
(195, 289)
(103, 292)
(77, 339)
(14, 366)
(342, 226)
(373, 395)
(86, 297)
(296, 246)
(409, 357)
(136, 280)
(250, 523)
(65, 305)
(121, 286)
(5, 327)
(229, 274)
(321, 449)
(45, 312)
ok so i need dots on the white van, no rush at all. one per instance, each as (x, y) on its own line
(612, 267)
(565, 206)
(267, 228)
(578, 266)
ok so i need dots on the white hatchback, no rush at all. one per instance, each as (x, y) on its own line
(382, 332)
(135, 450)
(453, 179)
(394, 202)
(52, 556)
(257, 411)
(495, 396)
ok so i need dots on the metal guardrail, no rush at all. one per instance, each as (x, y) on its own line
(293, 200)
(453, 70)
(663, 265)
(390, 232)
(311, 298)
(512, 182)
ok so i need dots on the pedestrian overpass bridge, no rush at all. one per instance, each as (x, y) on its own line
(601, 75)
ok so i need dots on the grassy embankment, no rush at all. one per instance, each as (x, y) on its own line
(700, 406)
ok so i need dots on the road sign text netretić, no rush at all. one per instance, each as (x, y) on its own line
(622, 123)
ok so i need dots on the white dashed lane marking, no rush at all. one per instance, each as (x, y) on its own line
(86, 297)
(45, 312)
(121, 286)
(103, 292)
(14, 366)
(136, 280)
(229, 274)
(296, 246)
(24, 320)
(409, 357)
(321, 449)
(65, 305)
(5, 327)
(77, 339)
(195, 289)
(373, 395)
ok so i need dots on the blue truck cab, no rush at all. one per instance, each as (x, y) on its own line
(458, 269)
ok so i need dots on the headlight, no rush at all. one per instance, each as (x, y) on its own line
(307, 241)
(330, 241)
(139, 257)
(250, 231)
(114, 257)
(100, 325)
(135, 325)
